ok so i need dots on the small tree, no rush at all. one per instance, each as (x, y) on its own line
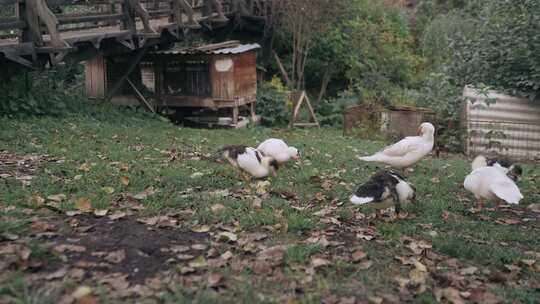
(304, 20)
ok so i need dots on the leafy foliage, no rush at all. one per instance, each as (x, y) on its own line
(330, 112)
(41, 93)
(272, 103)
(369, 50)
(504, 51)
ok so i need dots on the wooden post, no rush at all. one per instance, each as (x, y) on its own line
(139, 10)
(27, 34)
(158, 81)
(129, 17)
(235, 114)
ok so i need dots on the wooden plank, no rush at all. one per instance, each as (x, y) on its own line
(52, 3)
(306, 124)
(140, 97)
(8, 24)
(8, 2)
(67, 19)
(202, 102)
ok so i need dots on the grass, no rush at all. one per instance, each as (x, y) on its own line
(102, 147)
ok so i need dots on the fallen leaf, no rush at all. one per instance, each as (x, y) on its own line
(81, 292)
(58, 198)
(365, 265)
(450, 294)
(527, 262)
(214, 279)
(84, 167)
(100, 212)
(108, 190)
(484, 297)
(227, 255)
(73, 212)
(124, 180)
(197, 175)
(358, 255)
(83, 204)
(257, 203)
(200, 228)
(60, 273)
(199, 262)
(420, 266)
(273, 254)
(68, 247)
(417, 276)
(186, 270)
(319, 262)
(116, 257)
(534, 208)
(217, 207)
(364, 236)
(469, 270)
(227, 237)
(117, 215)
(37, 200)
(179, 248)
(40, 227)
(145, 194)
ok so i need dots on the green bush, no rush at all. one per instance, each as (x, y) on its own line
(330, 112)
(272, 103)
(41, 93)
(504, 51)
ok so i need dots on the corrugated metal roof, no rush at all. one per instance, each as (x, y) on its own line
(502, 125)
(237, 49)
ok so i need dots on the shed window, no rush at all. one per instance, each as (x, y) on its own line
(188, 78)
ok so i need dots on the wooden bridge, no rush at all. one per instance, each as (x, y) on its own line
(34, 33)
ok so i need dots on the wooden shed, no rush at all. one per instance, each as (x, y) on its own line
(221, 77)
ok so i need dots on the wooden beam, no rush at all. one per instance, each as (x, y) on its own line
(202, 102)
(131, 65)
(140, 97)
(66, 19)
(10, 24)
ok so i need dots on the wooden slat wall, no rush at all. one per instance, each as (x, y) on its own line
(223, 82)
(95, 77)
(245, 75)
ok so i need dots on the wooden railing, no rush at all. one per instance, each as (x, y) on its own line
(27, 16)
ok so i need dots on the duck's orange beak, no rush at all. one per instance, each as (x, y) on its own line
(419, 131)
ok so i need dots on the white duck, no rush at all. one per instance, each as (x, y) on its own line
(278, 149)
(407, 151)
(249, 160)
(514, 171)
(383, 190)
(491, 183)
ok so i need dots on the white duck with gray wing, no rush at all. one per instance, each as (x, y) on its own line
(249, 160)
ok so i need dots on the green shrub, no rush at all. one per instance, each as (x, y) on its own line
(330, 112)
(272, 103)
(503, 52)
(41, 93)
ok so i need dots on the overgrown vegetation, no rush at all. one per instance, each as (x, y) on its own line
(49, 92)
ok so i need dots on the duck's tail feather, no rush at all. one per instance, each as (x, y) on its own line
(360, 200)
(507, 191)
(370, 158)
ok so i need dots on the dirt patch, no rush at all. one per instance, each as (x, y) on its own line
(124, 246)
